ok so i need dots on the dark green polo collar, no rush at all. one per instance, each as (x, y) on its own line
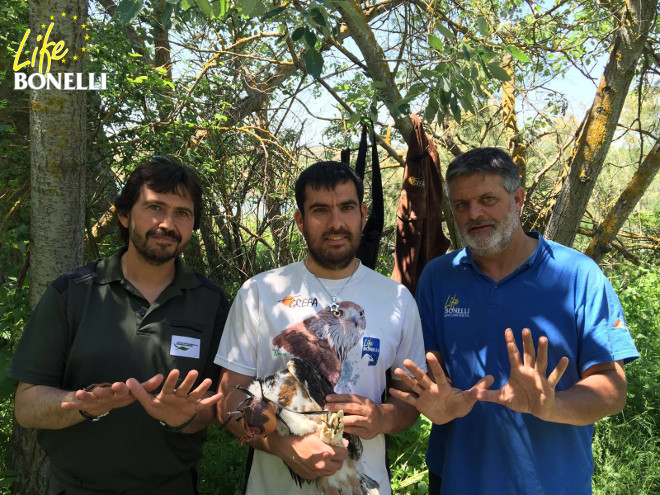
(108, 270)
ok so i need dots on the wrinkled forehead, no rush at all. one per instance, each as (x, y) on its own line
(474, 184)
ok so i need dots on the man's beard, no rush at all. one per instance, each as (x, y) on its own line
(156, 255)
(331, 259)
(497, 241)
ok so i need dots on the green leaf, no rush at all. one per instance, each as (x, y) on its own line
(310, 39)
(441, 116)
(483, 26)
(445, 31)
(313, 63)
(174, 2)
(214, 9)
(185, 4)
(402, 109)
(518, 54)
(355, 118)
(138, 80)
(466, 52)
(166, 18)
(431, 109)
(298, 33)
(220, 7)
(206, 8)
(317, 16)
(436, 42)
(251, 8)
(498, 72)
(273, 13)
(127, 11)
(455, 109)
(487, 54)
(441, 83)
(468, 103)
(415, 90)
(444, 98)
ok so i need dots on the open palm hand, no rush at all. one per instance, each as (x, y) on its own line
(435, 397)
(528, 389)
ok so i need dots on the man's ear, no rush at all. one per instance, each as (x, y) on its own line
(123, 219)
(299, 220)
(519, 198)
(363, 210)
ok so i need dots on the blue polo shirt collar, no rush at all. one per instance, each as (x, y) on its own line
(541, 251)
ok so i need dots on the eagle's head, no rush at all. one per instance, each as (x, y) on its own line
(342, 331)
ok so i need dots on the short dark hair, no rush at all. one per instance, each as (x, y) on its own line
(326, 175)
(486, 161)
(162, 175)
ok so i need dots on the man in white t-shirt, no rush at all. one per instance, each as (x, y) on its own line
(349, 321)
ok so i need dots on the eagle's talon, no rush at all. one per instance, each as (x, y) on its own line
(332, 430)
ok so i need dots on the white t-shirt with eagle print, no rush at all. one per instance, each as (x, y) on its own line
(270, 320)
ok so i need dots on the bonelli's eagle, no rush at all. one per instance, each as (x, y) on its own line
(291, 402)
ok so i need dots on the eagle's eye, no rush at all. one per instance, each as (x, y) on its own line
(361, 314)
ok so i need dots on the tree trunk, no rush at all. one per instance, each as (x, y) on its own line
(58, 146)
(595, 134)
(610, 225)
(517, 147)
(160, 33)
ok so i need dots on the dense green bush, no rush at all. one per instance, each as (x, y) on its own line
(627, 446)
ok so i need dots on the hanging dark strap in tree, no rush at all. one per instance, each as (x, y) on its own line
(373, 230)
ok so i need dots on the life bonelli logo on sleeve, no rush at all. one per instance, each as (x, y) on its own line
(47, 52)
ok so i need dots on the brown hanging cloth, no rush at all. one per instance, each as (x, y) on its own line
(419, 236)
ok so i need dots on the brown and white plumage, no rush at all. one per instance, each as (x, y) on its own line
(324, 339)
(295, 391)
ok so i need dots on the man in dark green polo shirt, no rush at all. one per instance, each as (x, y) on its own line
(92, 362)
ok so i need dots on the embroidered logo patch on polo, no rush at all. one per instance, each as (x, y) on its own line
(371, 348)
(185, 347)
(453, 308)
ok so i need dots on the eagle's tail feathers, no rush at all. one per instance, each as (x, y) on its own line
(298, 479)
(367, 483)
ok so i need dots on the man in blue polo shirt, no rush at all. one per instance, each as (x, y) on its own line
(505, 421)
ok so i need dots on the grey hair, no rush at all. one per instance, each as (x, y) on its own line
(486, 161)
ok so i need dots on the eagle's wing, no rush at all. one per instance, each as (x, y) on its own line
(311, 379)
(302, 388)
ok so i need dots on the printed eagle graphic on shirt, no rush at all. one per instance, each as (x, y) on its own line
(324, 340)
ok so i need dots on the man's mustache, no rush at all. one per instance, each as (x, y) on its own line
(164, 233)
(345, 232)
